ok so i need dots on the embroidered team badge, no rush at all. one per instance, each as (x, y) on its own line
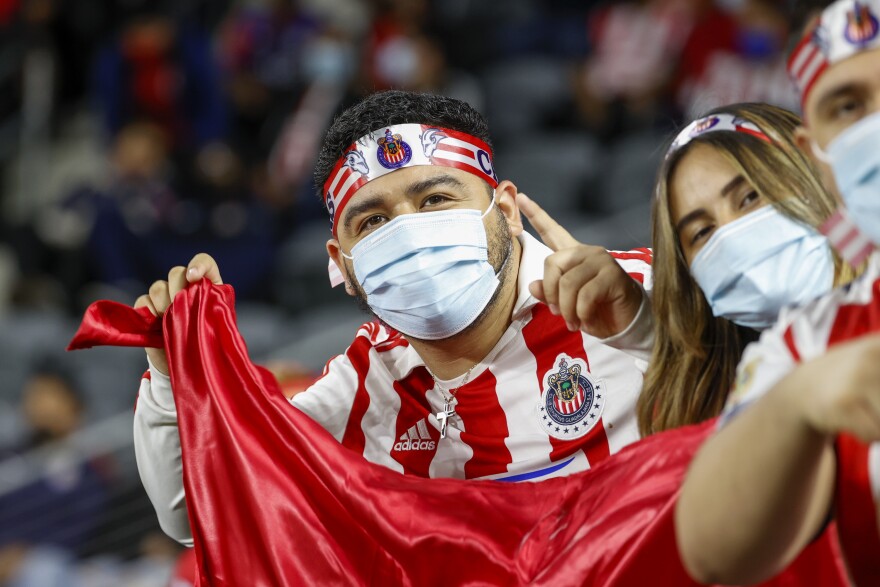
(572, 402)
(393, 151)
(704, 125)
(861, 25)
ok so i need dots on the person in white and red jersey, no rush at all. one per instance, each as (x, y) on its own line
(794, 448)
(736, 212)
(493, 356)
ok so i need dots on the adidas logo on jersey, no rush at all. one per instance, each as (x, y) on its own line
(416, 438)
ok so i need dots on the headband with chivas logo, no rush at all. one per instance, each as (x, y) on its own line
(403, 145)
(844, 29)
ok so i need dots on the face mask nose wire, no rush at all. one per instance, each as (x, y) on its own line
(482, 216)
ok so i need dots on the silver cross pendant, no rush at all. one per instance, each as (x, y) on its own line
(443, 417)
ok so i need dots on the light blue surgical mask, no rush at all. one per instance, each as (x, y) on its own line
(854, 156)
(754, 266)
(427, 274)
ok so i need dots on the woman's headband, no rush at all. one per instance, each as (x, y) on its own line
(715, 123)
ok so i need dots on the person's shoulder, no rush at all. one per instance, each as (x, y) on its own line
(375, 347)
(380, 337)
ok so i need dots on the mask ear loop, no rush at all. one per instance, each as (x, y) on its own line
(491, 204)
(820, 154)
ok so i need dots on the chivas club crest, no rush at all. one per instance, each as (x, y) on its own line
(861, 25)
(704, 126)
(571, 402)
(393, 151)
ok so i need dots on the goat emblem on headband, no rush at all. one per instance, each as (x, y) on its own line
(356, 161)
(430, 139)
(393, 151)
(861, 25)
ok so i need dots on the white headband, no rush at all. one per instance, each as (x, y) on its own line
(715, 123)
(845, 28)
(403, 145)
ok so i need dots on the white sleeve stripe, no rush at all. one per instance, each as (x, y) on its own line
(874, 470)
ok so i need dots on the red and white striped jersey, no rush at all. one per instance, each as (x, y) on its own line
(544, 402)
(802, 334)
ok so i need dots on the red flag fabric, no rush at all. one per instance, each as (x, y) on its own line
(273, 499)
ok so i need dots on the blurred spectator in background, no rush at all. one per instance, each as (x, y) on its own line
(59, 498)
(625, 82)
(151, 211)
(63, 502)
(735, 54)
(401, 54)
(163, 71)
(287, 71)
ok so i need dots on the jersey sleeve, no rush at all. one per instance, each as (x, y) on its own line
(158, 455)
(638, 264)
(329, 400)
(637, 339)
(764, 363)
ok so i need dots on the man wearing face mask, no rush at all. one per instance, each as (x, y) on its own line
(799, 411)
(493, 355)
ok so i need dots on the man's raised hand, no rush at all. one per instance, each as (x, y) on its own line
(162, 293)
(584, 284)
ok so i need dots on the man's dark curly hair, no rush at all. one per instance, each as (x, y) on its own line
(394, 107)
(800, 14)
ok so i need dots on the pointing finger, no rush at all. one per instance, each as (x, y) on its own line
(553, 235)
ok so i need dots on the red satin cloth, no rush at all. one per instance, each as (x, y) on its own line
(273, 499)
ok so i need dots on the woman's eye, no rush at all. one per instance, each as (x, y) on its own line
(749, 199)
(701, 234)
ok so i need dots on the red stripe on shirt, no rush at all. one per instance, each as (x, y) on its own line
(546, 336)
(414, 407)
(853, 321)
(788, 337)
(359, 355)
(485, 427)
(855, 507)
(640, 254)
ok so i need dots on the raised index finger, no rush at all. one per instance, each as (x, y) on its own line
(553, 235)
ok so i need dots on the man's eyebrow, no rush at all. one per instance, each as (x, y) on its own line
(432, 182)
(356, 208)
(834, 93)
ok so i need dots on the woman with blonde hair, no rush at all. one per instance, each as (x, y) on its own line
(737, 176)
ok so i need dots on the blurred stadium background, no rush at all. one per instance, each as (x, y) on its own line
(134, 134)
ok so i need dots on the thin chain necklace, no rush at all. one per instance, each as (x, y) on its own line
(448, 411)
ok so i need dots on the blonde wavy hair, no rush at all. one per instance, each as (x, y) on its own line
(695, 354)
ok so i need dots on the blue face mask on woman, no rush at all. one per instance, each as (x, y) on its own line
(854, 156)
(754, 266)
(427, 274)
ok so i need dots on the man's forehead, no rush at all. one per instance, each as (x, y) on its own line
(861, 70)
(403, 181)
